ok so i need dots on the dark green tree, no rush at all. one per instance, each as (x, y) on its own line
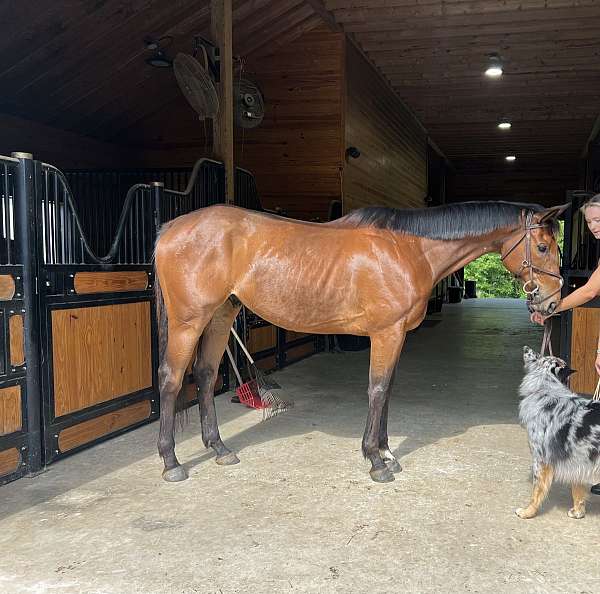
(492, 279)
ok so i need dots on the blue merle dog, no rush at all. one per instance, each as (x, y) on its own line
(563, 430)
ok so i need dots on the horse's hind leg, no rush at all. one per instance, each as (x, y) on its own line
(182, 340)
(206, 366)
(385, 350)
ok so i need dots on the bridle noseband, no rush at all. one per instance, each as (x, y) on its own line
(527, 264)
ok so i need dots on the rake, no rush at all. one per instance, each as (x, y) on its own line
(260, 391)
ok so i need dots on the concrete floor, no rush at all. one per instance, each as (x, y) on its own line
(300, 513)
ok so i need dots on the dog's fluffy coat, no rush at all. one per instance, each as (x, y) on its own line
(563, 430)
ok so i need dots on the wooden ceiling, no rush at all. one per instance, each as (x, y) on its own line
(434, 52)
(80, 65)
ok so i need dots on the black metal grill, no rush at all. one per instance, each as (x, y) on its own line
(7, 222)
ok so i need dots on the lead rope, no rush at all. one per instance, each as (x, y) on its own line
(547, 341)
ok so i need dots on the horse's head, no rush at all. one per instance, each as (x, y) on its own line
(531, 253)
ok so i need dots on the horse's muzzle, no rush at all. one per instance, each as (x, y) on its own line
(544, 309)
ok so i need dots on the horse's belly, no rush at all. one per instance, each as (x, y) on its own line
(305, 312)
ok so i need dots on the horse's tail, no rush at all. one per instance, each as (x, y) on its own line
(163, 340)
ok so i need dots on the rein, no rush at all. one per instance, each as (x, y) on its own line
(528, 265)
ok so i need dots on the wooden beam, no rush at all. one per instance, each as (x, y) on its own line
(221, 32)
(319, 8)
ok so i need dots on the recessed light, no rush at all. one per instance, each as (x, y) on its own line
(494, 68)
(504, 125)
(510, 158)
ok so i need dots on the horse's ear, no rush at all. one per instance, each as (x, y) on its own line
(552, 213)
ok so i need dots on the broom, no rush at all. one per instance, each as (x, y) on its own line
(260, 392)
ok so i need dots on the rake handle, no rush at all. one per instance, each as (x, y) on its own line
(242, 345)
(235, 369)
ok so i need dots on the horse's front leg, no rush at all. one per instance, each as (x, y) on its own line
(384, 448)
(385, 350)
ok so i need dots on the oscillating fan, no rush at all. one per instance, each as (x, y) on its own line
(196, 84)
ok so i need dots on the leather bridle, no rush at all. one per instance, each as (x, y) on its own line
(530, 288)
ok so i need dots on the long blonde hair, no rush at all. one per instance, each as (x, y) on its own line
(593, 201)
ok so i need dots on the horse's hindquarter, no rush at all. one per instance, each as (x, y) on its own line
(316, 278)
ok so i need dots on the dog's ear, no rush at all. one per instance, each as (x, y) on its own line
(563, 373)
(529, 356)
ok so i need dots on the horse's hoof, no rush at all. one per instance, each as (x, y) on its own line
(227, 459)
(576, 514)
(393, 465)
(381, 475)
(174, 475)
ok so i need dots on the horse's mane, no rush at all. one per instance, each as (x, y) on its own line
(450, 221)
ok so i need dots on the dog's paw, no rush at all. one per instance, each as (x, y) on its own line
(525, 513)
(576, 514)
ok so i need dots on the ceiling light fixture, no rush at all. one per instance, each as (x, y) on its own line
(494, 68)
(504, 125)
(510, 158)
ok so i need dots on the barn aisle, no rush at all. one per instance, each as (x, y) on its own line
(300, 514)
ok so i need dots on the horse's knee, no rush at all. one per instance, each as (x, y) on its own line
(169, 382)
(204, 376)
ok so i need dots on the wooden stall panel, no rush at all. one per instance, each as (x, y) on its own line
(87, 431)
(100, 353)
(9, 461)
(299, 352)
(584, 340)
(10, 410)
(7, 287)
(262, 338)
(110, 282)
(290, 336)
(17, 345)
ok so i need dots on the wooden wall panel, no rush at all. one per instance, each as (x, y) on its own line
(296, 153)
(7, 287)
(392, 167)
(9, 461)
(65, 150)
(584, 337)
(17, 344)
(10, 410)
(87, 431)
(109, 282)
(100, 353)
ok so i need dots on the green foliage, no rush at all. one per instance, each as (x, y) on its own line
(492, 279)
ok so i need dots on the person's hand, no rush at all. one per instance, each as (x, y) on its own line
(597, 365)
(538, 318)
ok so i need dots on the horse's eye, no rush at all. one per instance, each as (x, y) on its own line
(542, 247)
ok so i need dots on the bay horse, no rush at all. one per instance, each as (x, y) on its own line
(369, 273)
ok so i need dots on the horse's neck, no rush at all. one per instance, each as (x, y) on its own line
(448, 256)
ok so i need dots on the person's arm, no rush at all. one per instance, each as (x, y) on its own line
(578, 297)
(582, 295)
